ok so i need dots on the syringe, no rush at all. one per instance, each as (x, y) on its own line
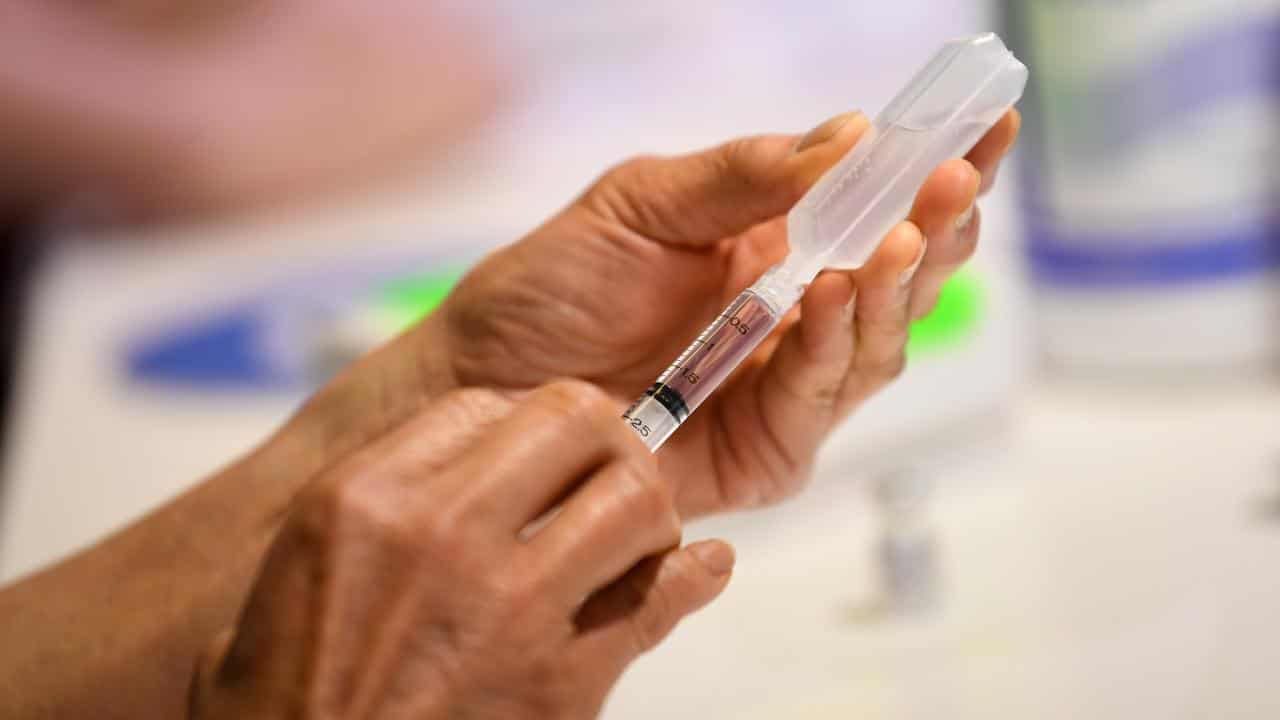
(941, 114)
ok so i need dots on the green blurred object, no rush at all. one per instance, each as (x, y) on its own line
(953, 321)
(412, 298)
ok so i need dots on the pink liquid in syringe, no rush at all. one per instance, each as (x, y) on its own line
(700, 369)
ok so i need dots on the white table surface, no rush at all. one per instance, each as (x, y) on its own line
(1112, 556)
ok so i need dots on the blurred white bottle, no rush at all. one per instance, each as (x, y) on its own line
(907, 554)
(1151, 181)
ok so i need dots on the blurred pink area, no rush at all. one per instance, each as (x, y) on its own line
(162, 108)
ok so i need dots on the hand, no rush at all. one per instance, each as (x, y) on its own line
(424, 576)
(614, 287)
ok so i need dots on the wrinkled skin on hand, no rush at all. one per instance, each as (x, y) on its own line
(423, 576)
(613, 288)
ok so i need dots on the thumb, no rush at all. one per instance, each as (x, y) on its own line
(698, 199)
(636, 613)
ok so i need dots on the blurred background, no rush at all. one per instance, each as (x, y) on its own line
(1068, 507)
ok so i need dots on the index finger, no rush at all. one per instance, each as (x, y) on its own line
(553, 441)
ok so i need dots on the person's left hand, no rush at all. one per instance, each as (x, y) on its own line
(491, 557)
(613, 288)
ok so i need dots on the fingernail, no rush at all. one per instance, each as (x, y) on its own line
(825, 131)
(965, 220)
(909, 274)
(716, 557)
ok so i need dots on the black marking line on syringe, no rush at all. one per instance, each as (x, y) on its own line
(670, 400)
(684, 362)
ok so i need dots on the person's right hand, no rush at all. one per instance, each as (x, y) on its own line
(424, 576)
(614, 287)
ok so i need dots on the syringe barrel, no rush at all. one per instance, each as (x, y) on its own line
(703, 366)
(945, 110)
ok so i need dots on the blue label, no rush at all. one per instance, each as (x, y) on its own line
(1100, 120)
(275, 338)
(1156, 257)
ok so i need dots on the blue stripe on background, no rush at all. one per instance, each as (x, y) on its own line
(1152, 257)
(1232, 61)
(224, 352)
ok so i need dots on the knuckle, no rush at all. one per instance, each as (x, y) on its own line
(786, 487)
(319, 508)
(969, 237)
(924, 307)
(653, 618)
(466, 408)
(798, 184)
(679, 584)
(735, 160)
(476, 400)
(893, 368)
(968, 247)
(639, 164)
(550, 691)
(648, 630)
(625, 193)
(441, 530)
(826, 395)
(516, 592)
(577, 402)
(754, 163)
(628, 446)
(395, 520)
(352, 508)
(649, 499)
(628, 172)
